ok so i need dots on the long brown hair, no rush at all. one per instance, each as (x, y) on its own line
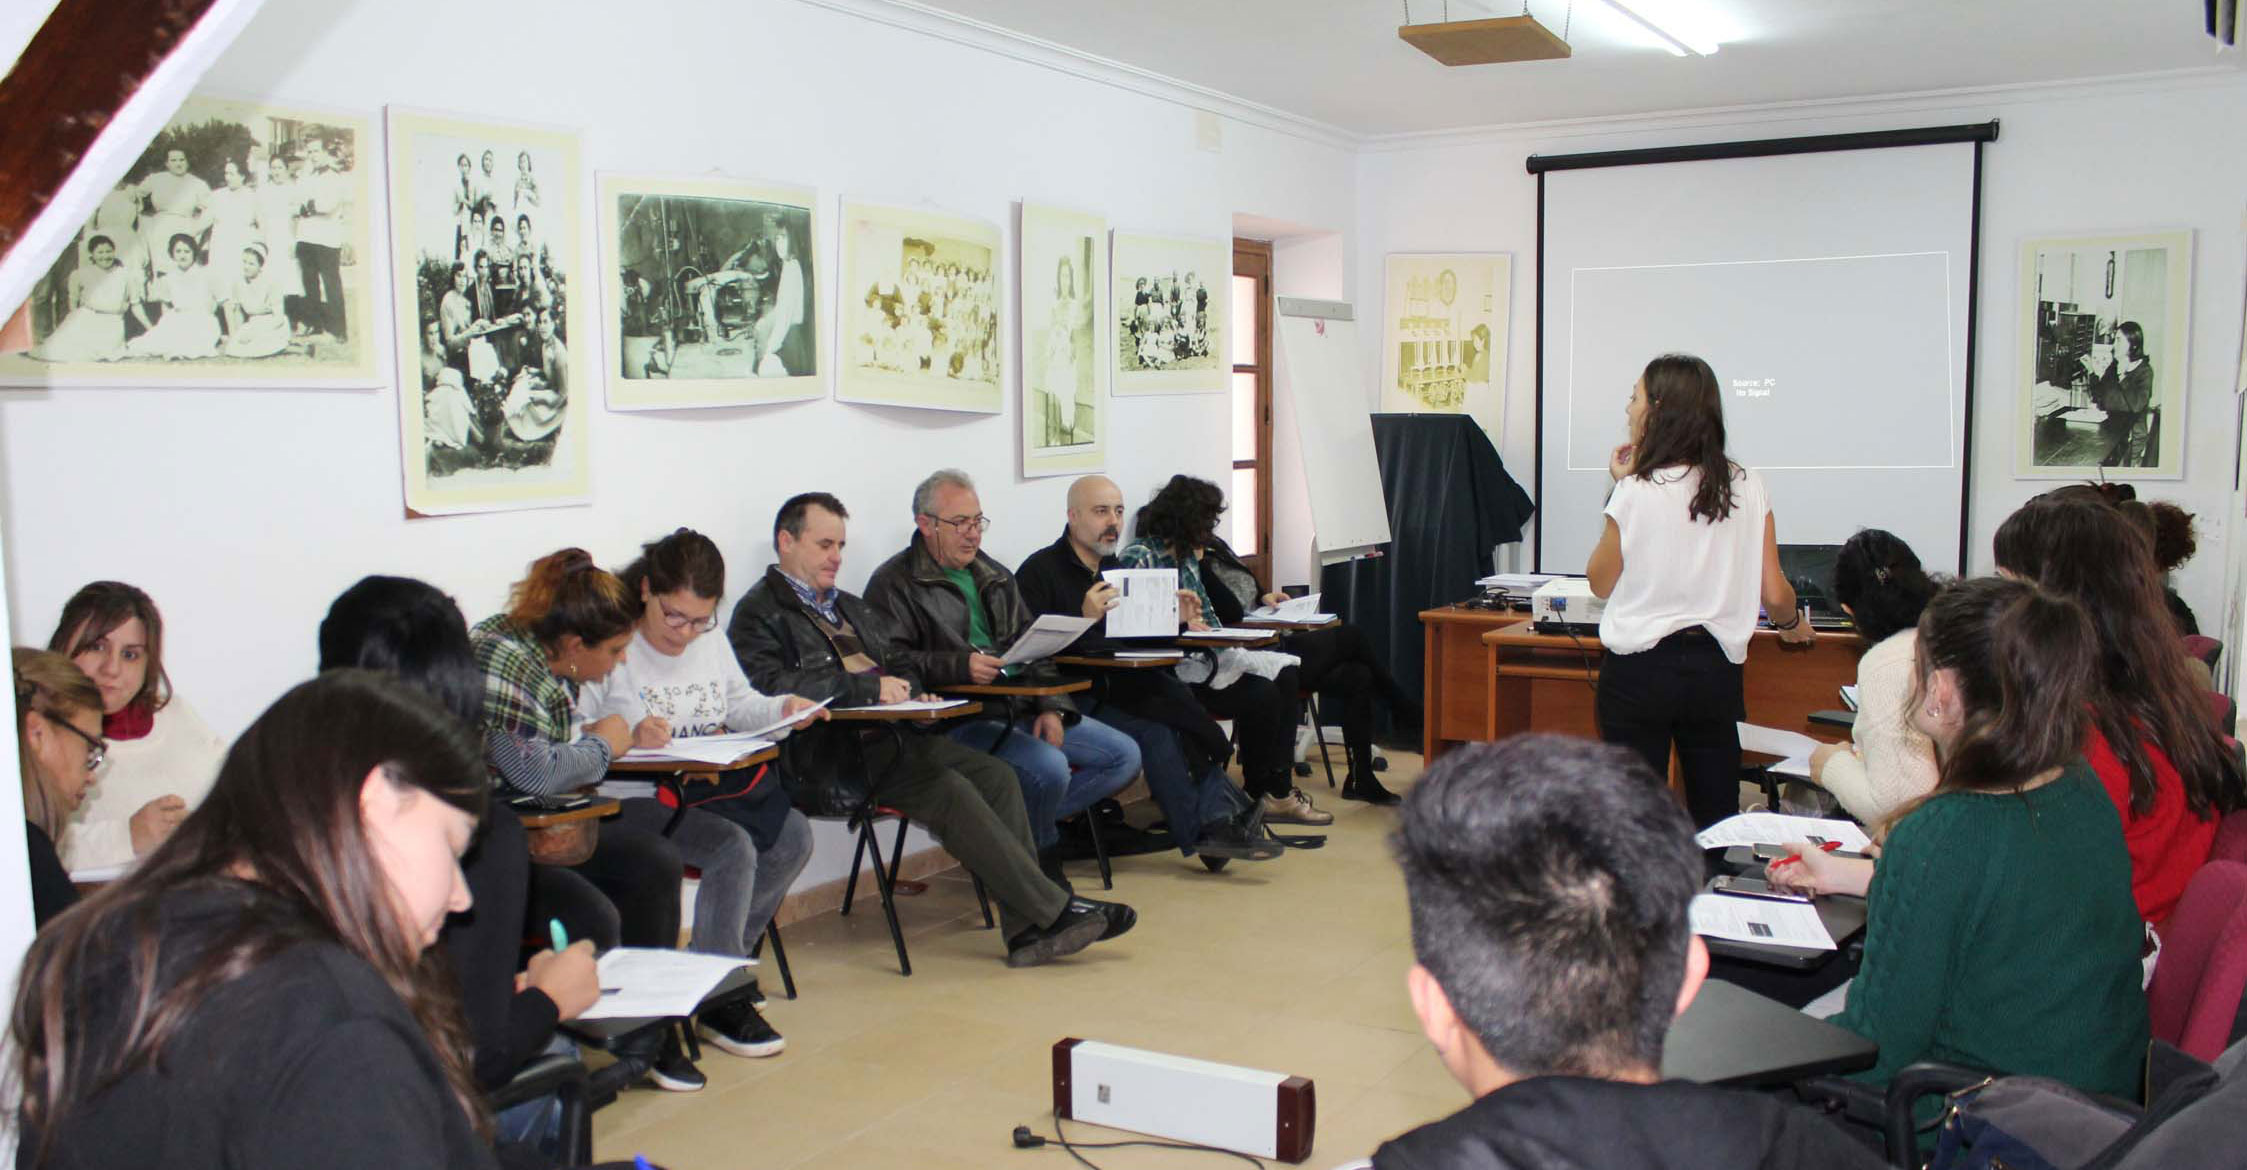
(2024, 658)
(566, 593)
(53, 687)
(1685, 428)
(102, 996)
(2087, 549)
(89, 616)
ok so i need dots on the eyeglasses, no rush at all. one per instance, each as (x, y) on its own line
(964, 524)
(679, 621)
(97, 748)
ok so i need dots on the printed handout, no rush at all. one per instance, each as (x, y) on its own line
(1782, 829)
(1049, 635)
(1759, 920)
(1148, 603)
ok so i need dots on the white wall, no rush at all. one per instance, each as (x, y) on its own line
(245, 512)
(2116, 156)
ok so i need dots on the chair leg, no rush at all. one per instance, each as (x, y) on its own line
(858, 855)
(1099, 849)
(983, 898)
(897, 851)
(884, 880)
(779, 958)
(1318, 736)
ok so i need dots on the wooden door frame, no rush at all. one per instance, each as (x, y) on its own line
(1254, 258)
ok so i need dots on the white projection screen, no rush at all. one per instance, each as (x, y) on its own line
(1829, 282)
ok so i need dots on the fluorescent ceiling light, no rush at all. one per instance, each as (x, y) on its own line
(1678, 40)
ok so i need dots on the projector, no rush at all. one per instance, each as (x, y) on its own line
(1264, 1114)
(1565, 606)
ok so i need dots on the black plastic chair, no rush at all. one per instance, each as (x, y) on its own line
(565, 1079)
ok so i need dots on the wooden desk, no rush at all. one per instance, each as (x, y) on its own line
(591, 810)
(877, 715)
(1549, 682)
(1111, 662)
(1288, 625)
(1021, 690)
(1732, 1036)
(566, 836)
(1199, 642)
(1456, 681)
(691, 771)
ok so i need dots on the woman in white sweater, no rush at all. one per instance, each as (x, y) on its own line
(161, 759)
(1877, 580)
(744, 836)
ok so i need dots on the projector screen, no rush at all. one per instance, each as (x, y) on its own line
(1832, 293)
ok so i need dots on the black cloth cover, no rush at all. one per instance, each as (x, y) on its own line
(1450, 503)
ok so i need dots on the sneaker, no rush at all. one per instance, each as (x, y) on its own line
(1079, 926)
(1227, 838)
(1118, 917)
(737, 1027)
(1362, 786)
(672, 1069)
(1294, 809)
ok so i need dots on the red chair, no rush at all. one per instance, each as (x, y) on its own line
(2226, 713)
(2204, 648)
(2231, 839)
(2194, 998)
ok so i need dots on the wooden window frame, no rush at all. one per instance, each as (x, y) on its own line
(1254, 258)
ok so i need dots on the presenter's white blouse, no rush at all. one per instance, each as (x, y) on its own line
(1680, 571)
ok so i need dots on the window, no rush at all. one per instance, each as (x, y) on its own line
(1248, 514)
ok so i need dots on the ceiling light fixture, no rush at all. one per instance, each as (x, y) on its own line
(1679, 44)
(1487, 42)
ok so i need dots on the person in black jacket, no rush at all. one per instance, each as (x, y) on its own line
(58, 730)
(1181, 748)
(1548, 879)
(797, 634)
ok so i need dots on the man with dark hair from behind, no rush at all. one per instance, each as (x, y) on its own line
(1548, 879)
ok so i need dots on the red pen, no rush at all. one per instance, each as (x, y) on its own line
(1791, 859)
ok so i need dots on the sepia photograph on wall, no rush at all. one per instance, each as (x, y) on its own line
(1064, 283)
(1443, 324)
(485, 224)
(234, 252)
(919, 310)
(713, 292)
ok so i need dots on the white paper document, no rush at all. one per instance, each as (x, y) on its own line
(1294, 609)
(1849, 696)
(1522, 583)
(1147, 655)
(1793, 746)
(101, 873)
(701, 749)
(1049, 635)
(785, 720)
(1759, 920)
(1230, 634)
(1781, 829)
(915, 705)
(1147, 603)
(644, 981)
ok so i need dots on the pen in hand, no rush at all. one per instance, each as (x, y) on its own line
(1792, 859)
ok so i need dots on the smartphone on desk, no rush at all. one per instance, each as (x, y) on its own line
(1747, 887)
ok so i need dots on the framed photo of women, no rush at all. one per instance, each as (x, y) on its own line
(2104, 336)
(234, 252)
(920, 310)
(713, 291)
(492, 403)
(1173, 311)
(1064, 283)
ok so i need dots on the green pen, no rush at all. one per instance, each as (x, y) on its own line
(561, 937)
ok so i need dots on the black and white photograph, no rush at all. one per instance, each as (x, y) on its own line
(1064, 282)
(233, 252)
(716, 292)
(484, 239)
(2103, 345)
(1172, 305)
(920, 310)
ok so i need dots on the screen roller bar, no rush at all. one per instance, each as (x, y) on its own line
(1871, 140)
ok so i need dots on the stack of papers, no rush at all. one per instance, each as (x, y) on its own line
(1146, 603)
(1049, 635)
(1759, 920)
(1229, 634)
(1782, 829)
(639, 982)
(1792, 747)
(701, 749)
(915, 705)
(1294, 609)
(1148, 655)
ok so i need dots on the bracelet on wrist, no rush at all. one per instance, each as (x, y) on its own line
(1790, 625)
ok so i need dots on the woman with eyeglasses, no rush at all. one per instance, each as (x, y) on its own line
(743, 834)
(59, 744)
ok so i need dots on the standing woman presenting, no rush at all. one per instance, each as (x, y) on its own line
(1689, 552)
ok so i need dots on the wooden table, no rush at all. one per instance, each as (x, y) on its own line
(592, 810)
(1456, 680)
(877, 715)
(1111, 662)
(1549, 682)
(1732, 1036)
(1021, 690)
(1199, 642)
(691, 771)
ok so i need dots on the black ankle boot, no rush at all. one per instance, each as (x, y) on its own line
(1361, 785)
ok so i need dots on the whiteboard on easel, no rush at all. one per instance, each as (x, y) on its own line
(1322, 368)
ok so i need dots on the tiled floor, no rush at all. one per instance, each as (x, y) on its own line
(1295, 965)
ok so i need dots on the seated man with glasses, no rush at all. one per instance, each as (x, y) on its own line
(956, 610)
(796, 633)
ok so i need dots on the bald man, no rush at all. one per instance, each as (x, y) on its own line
(1181, 749)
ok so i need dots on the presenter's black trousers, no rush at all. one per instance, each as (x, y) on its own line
(1683, 691)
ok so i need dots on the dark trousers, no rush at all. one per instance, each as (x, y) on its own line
(1339, 667)
(322, 270)
(485, 943)
(626, 893)
(1264, 713)
(972, 803)
(1682, 691)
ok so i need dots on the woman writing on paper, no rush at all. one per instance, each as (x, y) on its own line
(1689, 550)
(742, 833)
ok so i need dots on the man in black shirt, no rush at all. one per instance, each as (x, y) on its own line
(1181, 749)
(1548, 878)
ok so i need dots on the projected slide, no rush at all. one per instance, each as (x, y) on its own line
(1801, 348)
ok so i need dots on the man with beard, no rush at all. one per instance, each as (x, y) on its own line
(1181, 749)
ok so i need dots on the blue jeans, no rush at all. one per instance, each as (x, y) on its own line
(1093, 761)
(1188, 802)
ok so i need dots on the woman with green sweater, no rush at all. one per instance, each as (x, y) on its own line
(2001, 933)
